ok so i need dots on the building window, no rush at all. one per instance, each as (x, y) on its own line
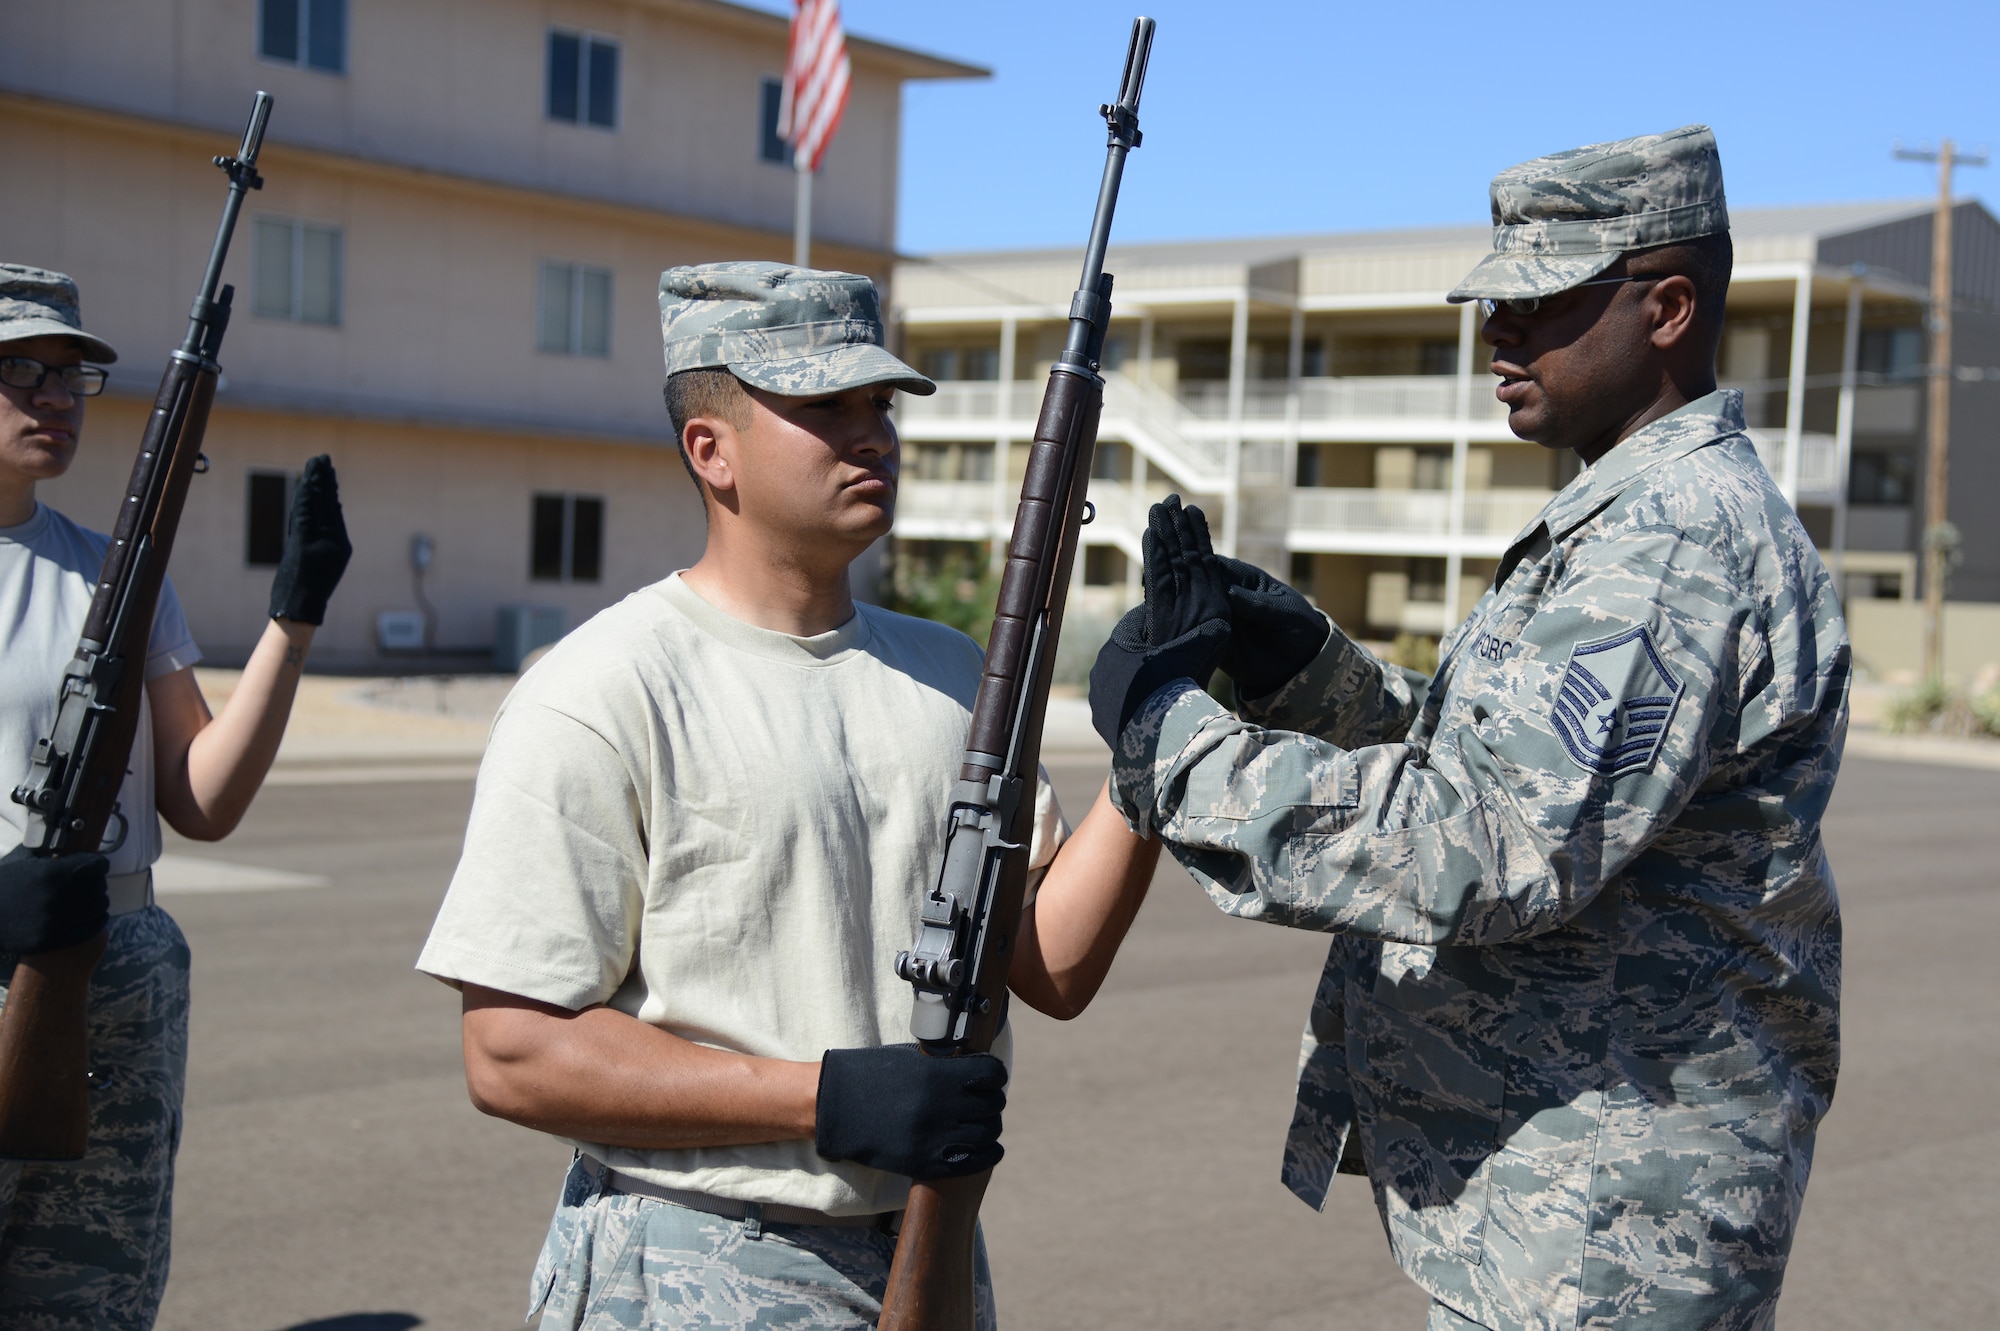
(1426, 581)
(297, 271)
(1893, 353)
(948, 462)
(310, 33)
(583, 79)
(1431, 469)
(1437, 358)
(948, 363)
(1301, 571)
(268, 503)
(1103, 566)
(1881, 477)
(1308, 473)
(575, 314)
(566, 540)
(1203, 358)
(1112, 461)
(771, 147)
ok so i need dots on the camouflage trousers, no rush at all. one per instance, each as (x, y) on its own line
(1444, 1318)
(84, 1243)
(615, 1261)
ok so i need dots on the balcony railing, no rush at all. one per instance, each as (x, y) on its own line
(1819, 463)
(965, 400)
(972, 510)
(946, 510)
(1346, 398)
(1414, 513)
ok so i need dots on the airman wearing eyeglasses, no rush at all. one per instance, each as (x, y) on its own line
(1579, 1019)
(84, 1244)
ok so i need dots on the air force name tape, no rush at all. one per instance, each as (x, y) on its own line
(1615, 703)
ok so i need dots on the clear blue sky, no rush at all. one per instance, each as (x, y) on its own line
(1296, 115)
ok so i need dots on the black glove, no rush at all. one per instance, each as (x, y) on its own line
(896, 1108)
(1274, 631)
(1179, 633)
(51, 901)
(316, 548)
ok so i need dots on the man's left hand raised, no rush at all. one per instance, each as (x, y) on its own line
(1180, 632)
(316, 547)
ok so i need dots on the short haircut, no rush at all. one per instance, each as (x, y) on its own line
(1706, 261)
(710, 391)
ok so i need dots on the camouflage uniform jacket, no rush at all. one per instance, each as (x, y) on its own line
(1579, 1020)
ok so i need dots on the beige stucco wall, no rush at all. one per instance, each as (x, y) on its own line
(1888, 638)
(468, 491)
(439, 285)
(458, 85)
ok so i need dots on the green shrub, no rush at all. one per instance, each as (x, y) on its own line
(1986, 712)
(1415, 651)
(960, 591)
(1934, 709)
(1084, 633)
(1918, 709)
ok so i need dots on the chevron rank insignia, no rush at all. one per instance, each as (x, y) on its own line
(1616, 701)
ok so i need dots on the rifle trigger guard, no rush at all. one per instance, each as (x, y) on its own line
(117, 839)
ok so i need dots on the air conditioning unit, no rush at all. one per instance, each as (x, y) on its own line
(519, 629)
(400, 631)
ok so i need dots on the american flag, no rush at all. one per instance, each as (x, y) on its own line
(816, 73)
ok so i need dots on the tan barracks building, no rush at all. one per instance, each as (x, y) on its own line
(448, 283)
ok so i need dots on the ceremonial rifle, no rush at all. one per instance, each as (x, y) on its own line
(959, 963)
(72, 789)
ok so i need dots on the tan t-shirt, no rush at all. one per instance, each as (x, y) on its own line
(724, 831)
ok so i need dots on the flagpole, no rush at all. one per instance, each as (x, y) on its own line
(802, 215)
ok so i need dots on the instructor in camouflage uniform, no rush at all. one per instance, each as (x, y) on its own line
(1579, 1020)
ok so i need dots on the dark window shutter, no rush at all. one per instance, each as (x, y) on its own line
(545, 556)
(586, 547)
(604, 84)
(264, 525)
(772, 148)
(279, 35)
(565, 56)
(326, 35)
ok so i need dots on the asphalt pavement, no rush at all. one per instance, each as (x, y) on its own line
(333, 1176)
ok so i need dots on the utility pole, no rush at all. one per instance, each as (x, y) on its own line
(1939, 542)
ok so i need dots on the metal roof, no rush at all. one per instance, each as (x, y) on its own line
(1804, 221)
(906, 62)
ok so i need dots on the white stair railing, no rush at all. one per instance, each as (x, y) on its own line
(1149, 418)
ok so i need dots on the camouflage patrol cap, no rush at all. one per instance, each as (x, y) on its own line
(795, 331)
(1563, 219)
(35, 302)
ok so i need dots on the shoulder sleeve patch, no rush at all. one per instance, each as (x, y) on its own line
(1615, 703)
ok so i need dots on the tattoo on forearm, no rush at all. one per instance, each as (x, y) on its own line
(294, 655)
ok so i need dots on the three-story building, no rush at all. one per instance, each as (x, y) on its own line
(1336, 418)
(449, 281)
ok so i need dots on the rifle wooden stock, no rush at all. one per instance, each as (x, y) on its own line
(79, 768)
(930, 1279)
(44, 1048)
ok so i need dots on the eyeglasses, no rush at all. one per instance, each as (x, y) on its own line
(1526, 305)
(29, 373)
